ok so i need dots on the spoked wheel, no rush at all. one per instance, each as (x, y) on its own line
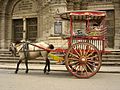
(83, 60)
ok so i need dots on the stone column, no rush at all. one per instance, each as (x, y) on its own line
(2, 28)
(117, 25)
(24, 29)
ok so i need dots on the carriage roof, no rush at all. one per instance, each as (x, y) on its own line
(83, 15)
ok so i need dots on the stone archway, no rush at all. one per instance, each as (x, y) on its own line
(6, 15)
(24, 20)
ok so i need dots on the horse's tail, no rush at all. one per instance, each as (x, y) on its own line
(51, 46)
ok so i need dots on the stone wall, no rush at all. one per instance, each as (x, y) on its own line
(58, 42)
(49, 11)
(117, 25)
(3, 16)
(46, 10)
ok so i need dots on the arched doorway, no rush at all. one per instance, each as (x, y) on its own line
(24, 20)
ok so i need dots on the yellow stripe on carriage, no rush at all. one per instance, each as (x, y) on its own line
(55, 57)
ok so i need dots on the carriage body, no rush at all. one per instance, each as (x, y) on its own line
(82, 27)
(86, 42)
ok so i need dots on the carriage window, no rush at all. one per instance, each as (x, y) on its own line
(58, 28)
(78, 28)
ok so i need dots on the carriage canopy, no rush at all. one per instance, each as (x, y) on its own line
(83, 15)
(84, 20)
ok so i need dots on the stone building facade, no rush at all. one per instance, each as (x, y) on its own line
(36, 20)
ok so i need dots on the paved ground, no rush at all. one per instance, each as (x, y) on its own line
(105, 69)
(56, 80)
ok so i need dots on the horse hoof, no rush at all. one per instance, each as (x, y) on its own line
(47, 73)
(44, 71)
(26, 72)
(15, 72)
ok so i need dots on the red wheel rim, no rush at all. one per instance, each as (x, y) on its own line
(83, 60)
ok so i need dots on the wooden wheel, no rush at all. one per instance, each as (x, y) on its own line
(83, 60)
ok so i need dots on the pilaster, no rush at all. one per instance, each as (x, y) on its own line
(2, 30)
(117, 24)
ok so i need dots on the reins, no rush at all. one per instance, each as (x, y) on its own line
(28, 43)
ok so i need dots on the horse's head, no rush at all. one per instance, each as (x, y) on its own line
(12, 48)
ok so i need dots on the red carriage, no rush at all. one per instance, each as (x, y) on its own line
(85, 43)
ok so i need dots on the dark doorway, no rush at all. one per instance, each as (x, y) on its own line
(31, 29)
(17, 29)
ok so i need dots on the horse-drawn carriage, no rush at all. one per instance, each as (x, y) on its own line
(83, 57)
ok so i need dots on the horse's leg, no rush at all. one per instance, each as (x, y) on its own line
(47, 65)
(26, 53)
(26, 63)
(48, 62)
(17, 68)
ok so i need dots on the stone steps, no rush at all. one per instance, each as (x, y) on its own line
(6, 57)
(110, 59)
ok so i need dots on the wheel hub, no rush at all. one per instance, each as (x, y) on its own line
(83, 60)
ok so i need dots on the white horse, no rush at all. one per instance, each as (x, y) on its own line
(28, 50)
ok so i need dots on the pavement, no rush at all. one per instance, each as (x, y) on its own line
(56, 67)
